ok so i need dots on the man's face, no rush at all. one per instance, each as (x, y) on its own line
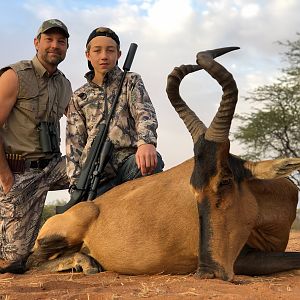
(51, 47)
(103, 54)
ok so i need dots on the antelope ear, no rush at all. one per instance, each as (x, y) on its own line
(271, 169)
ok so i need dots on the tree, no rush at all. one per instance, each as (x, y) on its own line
(272, 129)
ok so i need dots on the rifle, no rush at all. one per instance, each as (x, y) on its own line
(99, 154)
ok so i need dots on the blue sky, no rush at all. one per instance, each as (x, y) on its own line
(168, 33)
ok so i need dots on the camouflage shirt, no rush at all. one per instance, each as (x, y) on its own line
(134, 122)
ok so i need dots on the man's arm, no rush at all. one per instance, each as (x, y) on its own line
(9, 87)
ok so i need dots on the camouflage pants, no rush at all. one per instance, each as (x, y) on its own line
(128, 171)
(21, 209)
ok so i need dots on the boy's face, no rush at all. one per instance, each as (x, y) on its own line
(103, 54)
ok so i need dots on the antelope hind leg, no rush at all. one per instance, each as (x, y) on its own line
(253, 262)
(75, 261)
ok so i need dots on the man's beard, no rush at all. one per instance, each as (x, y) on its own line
(53, 60)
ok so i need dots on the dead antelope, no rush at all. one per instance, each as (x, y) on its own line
(214, 214)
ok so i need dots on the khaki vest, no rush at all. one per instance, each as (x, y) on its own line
(20, 132)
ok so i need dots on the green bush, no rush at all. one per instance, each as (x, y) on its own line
(49, 210)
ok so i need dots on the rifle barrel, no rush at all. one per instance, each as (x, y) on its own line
(129, 57)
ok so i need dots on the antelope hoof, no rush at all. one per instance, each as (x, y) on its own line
(86, 264)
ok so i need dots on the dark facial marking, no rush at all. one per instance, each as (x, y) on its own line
(206, 264)
(205, 156)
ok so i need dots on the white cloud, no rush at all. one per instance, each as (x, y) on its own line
(250, 11)
(169, 17)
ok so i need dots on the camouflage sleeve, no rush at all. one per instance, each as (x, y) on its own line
(76, 139)
(143, 112)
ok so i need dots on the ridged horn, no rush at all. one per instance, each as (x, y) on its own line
(218, 131)
(190, 119)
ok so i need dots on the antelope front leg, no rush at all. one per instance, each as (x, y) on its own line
(254, 263)
(75, 261)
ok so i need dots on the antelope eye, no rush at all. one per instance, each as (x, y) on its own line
(225, 182)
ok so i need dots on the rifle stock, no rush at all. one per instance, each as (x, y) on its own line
(99, 168)
(81, 191)
(98, 156)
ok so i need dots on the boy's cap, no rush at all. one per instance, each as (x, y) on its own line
(103, 31)
(53, 23)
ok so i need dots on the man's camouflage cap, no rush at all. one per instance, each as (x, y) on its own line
(53, 23)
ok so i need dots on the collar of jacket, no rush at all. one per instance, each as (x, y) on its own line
(109, 77)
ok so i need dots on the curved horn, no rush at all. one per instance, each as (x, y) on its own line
(218, 130)
(190, 119)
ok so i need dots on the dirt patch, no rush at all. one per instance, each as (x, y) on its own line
(109, 285)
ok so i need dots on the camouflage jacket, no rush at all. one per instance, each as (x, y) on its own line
(134, 122)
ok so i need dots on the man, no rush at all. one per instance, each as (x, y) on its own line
(133, 126)
(33, 97)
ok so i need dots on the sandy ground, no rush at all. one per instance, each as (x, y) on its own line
(108, 285)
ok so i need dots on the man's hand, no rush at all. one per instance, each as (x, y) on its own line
(6, 180)
(146, 158)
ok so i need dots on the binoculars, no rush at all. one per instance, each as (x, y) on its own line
(49, 137)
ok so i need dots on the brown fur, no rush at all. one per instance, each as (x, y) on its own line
(210, 214)
(150, 225)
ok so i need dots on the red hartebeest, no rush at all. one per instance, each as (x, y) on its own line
(215, 214)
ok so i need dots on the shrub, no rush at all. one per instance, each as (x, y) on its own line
(49, 210)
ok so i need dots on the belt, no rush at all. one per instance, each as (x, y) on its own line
(37, 164)
(19, 165)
